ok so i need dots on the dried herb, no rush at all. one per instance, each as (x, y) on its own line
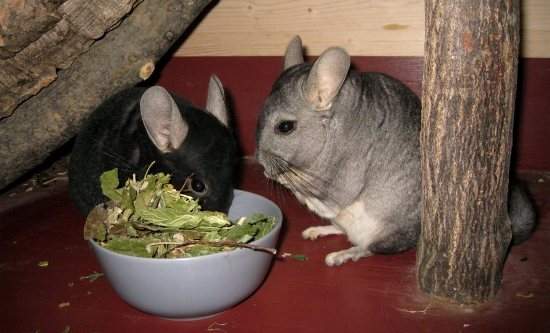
(92, 277)
(43, 263)
(150, 218)
(297, 257)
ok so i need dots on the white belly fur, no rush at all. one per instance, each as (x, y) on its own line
(360, 227)
(314, 204)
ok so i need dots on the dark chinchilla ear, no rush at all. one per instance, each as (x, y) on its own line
(162, 119)
(326, 77)
(215, 102)
(294, 54)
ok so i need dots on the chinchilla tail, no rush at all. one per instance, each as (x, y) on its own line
(522, 214)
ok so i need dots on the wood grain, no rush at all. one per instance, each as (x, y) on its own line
(468, 98)
(368, 28)
(37, 39)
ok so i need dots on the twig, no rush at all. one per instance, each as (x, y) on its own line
(51, 180)
(216, 243)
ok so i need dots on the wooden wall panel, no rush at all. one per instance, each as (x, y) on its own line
(363, 27)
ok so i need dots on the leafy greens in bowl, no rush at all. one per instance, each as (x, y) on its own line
(150, 218)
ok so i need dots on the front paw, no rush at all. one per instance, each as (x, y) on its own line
(340, 257)
(319, 231)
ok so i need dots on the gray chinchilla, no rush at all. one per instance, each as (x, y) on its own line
(140, 125)
(347, 145)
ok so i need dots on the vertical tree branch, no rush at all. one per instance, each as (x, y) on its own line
(469, 85)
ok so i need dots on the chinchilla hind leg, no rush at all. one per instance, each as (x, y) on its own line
(398, 240)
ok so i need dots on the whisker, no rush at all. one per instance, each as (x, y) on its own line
(299, 181)
(118, 158)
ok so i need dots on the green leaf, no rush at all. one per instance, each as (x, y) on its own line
(255, 218)
(212, 236)
(109, 184)
(127, 198)
(213, 219)
(299, 257)
(240, 233)
(130, 246)
(168, 217)
(265, 226)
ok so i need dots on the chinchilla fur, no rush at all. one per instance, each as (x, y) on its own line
(139, 126)
(347, 145)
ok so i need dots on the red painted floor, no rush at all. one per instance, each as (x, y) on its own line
(376, 294)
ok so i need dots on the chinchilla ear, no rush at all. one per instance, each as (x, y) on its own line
(215, 102)
(326, 77)
(294, 54)
(162, 119)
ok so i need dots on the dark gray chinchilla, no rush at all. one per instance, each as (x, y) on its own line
(140, 125)
(347, 145)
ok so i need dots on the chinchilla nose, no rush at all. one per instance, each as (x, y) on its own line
(261, 159)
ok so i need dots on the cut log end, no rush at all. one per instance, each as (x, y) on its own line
(146, 70)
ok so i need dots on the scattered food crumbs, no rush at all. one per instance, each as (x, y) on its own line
(70, 284)
(43, 263)
(64, 305)
(299, 257)
(92, 277)
(215, 327)
(525, 295)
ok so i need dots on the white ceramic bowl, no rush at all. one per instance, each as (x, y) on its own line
(191, 288)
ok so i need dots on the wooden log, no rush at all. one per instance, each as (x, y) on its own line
(38, 38)
(124, 57)
(469, 86)
(24, 21)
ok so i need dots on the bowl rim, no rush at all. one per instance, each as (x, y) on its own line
(276, 229)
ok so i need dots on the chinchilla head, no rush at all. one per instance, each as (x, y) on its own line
(196, 147)
(307, 121)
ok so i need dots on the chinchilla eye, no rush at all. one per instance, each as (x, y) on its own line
(285, 126)
(198, 186)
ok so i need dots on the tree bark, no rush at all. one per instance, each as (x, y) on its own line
(125, 56)
(469, 85)
(39, 37)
